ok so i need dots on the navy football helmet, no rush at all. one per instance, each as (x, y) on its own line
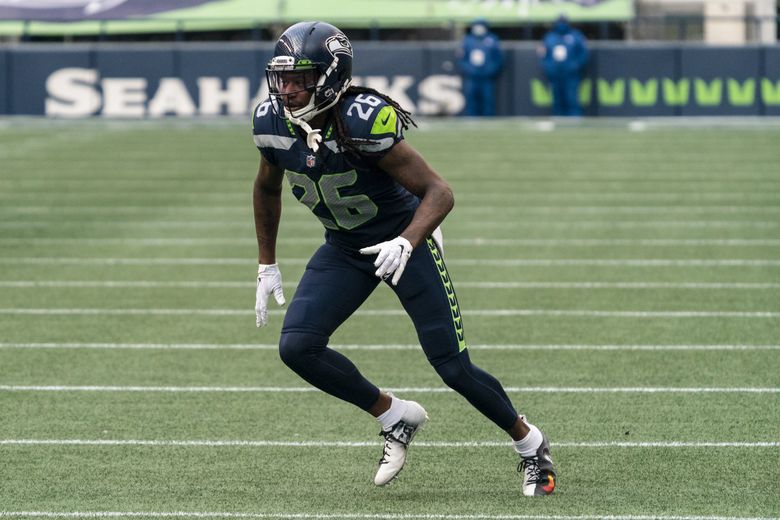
(320, 55)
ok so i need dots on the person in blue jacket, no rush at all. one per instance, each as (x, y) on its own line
(481, 60)
(564, 55)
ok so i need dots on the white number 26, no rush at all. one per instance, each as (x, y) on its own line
(364, 104)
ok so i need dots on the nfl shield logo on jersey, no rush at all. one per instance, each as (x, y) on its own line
(310, 161)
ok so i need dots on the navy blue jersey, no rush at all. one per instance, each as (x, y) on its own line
(357, 202)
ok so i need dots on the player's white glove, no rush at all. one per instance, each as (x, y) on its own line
(269, 280)
(391, 257)
(438, 237)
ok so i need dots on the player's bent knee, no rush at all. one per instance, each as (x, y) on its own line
(455, 371)
(297, 348)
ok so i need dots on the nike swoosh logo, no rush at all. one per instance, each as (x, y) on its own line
(387, 119)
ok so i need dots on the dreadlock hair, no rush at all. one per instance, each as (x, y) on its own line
(353, 146)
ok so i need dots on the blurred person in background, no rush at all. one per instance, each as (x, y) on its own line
(564, 56)
(343, 152)
(480, 60)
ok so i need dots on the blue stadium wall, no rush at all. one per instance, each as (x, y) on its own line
(132, 81)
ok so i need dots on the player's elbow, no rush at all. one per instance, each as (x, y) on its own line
(444, 197)
(450, 199)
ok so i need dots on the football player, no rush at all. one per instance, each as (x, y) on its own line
(341, 148)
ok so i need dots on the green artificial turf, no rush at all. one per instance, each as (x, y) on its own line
(115, 238)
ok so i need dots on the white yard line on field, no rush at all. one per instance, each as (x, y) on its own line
(466, 242)
(397, 312)
(363, 444)
(480, 223)
(350, 516)
(552, 195)
(511, 262)
(196, 284)
(133, 284)
(240, 209)
(617, 285)
(412, 390)
(389, 347)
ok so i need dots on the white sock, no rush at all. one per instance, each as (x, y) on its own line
(528, 445)
(393, 414)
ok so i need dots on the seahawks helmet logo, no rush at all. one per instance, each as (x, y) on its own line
(338, 44)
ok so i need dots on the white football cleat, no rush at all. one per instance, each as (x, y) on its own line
(397, 442)
(538, 471)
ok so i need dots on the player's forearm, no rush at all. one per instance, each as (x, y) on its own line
(268, 210)
(436, 203)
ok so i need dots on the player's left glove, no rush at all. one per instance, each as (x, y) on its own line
(269, 280)
(391, 257)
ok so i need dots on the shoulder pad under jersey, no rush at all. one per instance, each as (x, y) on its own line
(370, 118)
(271, 131)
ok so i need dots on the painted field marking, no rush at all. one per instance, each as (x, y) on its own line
(573, 208)
(390, 347)
(395, 312)
(196, 284)
(550, 195)
(412, 390)
(465, 242)
(350, 516)
(363, 444)
(482, 224)
(511, 262)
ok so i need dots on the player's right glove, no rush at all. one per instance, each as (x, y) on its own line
(269, 280)
(391, 257)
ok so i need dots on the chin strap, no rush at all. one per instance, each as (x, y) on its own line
(313, 137)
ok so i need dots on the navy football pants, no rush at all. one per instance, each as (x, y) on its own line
(336, 283)
(566, 91)
(480, 94)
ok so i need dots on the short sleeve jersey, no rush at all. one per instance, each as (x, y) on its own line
(357, 202)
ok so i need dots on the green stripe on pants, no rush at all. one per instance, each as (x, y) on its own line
(445, 279)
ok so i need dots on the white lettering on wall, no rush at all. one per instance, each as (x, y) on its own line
(124, 97)
(440, 94)
(171, 98)
(71, 92)
(235, 97)
(79, 92)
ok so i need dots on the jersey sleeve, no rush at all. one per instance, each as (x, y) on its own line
(374, 123)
